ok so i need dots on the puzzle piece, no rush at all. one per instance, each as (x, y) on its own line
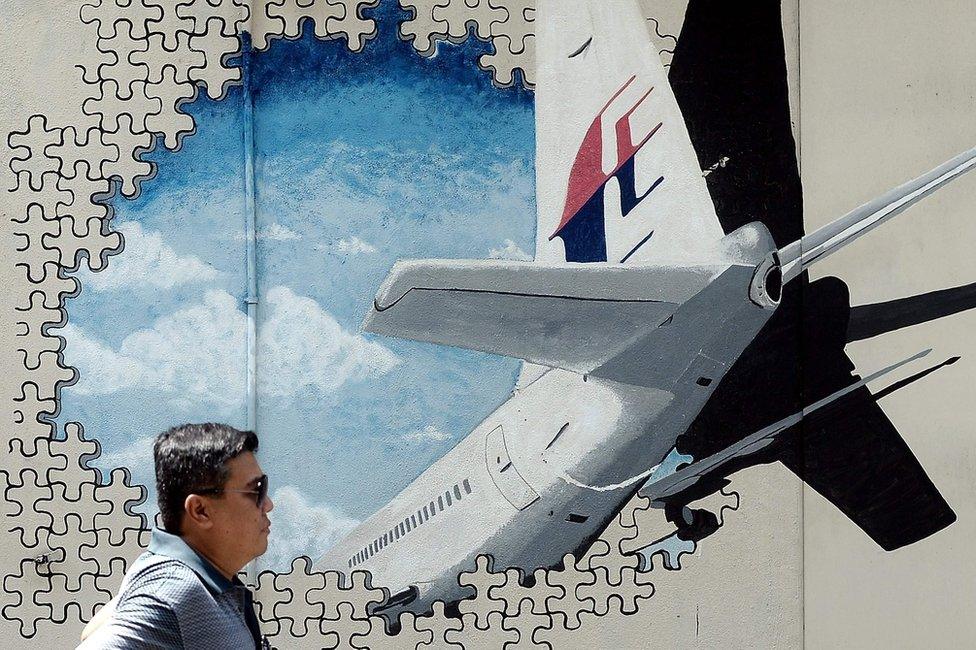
(24, 585)
(106, 14)
(216, 49)
(352, 26)
(84, 599)
(508, 24)
(169, 24)
(516, 594)
(88, 195)
(28, 519)
(527, 622)
(438, 624)
(171, 122)
(112, 103)
(482, 580)
(157, 58)
(477, 634)
(625, 592)
(28, 160)
(87, 154)
(267, 596)
(567, 604)
(297, 609)
(423, 28)
(130, 168)
(78, 451)
(464, 14)
(32, 338)
(120, 492)
(346, 627)
(232, 14)
(31, 417)
(120, 47)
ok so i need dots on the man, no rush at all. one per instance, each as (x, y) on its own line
(183, 592)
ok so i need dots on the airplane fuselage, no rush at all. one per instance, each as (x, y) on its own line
(544, 474)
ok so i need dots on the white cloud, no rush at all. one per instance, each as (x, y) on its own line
(197, 355)
(430, 433)
(103, 370)
(274, 232)
(354, 246)
(303, 346)
(137, 456)
(148, 261)
(509, 251)
(301, 528)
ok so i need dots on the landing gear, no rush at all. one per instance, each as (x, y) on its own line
(693, 524)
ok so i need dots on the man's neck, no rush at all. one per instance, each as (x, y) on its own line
(226, 568)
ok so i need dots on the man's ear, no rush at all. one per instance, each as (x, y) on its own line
(197, 512)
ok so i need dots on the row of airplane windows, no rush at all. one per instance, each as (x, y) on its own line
(423, 515)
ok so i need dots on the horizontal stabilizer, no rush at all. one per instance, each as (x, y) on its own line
(572, 316)
(804, 252)
(687, 477)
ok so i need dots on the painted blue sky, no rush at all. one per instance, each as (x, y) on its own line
(360, 160)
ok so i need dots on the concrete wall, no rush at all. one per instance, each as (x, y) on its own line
(880, 92)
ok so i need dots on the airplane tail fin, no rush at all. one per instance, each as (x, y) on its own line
(804, 252)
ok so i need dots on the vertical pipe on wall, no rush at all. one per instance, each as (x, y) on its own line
(251, 298)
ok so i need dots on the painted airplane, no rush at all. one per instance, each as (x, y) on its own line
(637, 306)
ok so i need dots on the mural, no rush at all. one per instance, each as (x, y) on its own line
(506, 334)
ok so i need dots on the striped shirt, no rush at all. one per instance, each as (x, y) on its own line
(172, 598)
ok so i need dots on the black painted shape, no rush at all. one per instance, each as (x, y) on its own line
(879, 318)
(901, 383)
(729, 76)
(635, 248)
(628, 187)
(585, 236)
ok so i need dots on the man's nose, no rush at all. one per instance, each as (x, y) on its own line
(268, 504)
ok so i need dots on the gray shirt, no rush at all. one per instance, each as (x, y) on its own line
(174, 598)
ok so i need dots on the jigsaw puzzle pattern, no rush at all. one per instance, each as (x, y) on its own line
(308, 609)
(76, 529)
(509, 25)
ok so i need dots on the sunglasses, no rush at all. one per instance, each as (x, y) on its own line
(260, 494)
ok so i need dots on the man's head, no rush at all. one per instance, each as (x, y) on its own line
(208, 484)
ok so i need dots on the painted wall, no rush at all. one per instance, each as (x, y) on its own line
(376, 135)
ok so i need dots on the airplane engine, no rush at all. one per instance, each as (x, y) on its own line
(766, 288)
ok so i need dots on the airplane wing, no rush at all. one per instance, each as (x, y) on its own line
(687, 477)
(617, 179)
(802, 253)
(572, 316)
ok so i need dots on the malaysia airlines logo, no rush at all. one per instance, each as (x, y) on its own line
(582, 226)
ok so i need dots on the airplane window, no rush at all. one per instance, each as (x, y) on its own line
(448, 495)
(440, 504)
(407, 523)
(413, 520)
(457, 492)
(420, 517)
(467, 486)
(385, 538)
(432, 511)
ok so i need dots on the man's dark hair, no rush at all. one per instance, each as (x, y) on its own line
(194, 457)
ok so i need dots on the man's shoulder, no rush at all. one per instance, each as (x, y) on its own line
(167, 579)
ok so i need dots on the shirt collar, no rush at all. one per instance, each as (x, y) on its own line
(173, 546)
